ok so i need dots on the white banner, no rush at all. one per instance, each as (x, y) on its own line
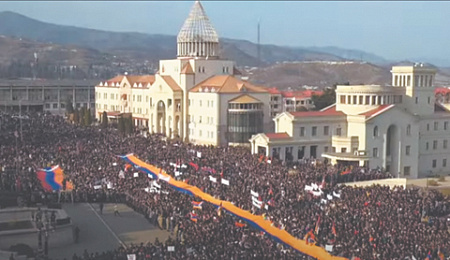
(256, 205)
(308, 188)
(155, 184)
(136, 174)
(254, 194)
(225, 182)
(184, 166)
(166, 179)
(170, 249)
(336, 195)
(199, 154)
(315, 186)
(255, 200)
(323, 201)
(329, 197)
(211, 178)
(96, 187)
(122, 174)
(109, 185)
(114, 164)
(131, 257)
(317, 193)
(329, 248)
(177, 173)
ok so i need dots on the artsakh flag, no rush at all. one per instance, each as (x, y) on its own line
(52, 178)
(194, 217)
(197, 205)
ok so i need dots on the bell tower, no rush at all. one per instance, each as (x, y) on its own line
(418, 81)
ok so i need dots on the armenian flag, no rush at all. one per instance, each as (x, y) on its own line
(194, 217)
(197, 205)
(52, 178)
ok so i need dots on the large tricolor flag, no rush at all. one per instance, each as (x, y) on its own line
(52, 179)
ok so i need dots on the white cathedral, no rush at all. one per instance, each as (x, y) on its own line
(197, 97)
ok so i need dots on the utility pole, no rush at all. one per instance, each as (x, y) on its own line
(259, 43)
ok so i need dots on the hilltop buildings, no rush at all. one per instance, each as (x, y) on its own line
(400, 127)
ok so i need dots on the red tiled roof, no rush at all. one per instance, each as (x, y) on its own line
(273, 91)
(443, 91)
(330, 111)
(277, 135)
(301, 94)
(375, 111)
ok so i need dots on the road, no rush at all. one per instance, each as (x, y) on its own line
(106, 232)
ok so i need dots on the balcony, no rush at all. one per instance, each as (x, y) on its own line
(351, 143)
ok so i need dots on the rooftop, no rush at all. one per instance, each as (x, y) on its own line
(197, 27)
(328, 111)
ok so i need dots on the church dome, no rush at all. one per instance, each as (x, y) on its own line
(197, 37)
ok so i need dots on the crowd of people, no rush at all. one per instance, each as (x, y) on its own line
(304, 198)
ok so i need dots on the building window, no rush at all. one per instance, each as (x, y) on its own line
(444, 163)
(367, 100)
(407, 170)
(314, 131)
(47, 106)
(375, 152)
(55, 105)
(361, 100)
(445, 145)
(338, 131)
(325, 149)
(408, 150)
(326, 130)
(428, 127)
(434, 163)
(427, 146)
(408, 130)
(436, 124)
(212, 103)
(355, 100)
(375, 131)
(343, 149)
(417, 100)
(435, 143)
(200, 103)
(342, 99)
(445, 125)
(302, 131)
(429, 100)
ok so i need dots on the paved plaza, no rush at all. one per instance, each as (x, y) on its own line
(101, 232)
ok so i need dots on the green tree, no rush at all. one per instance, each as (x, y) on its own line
(87, 117)
(76, 116)
(104, 119)
(81, 121)
(129, 128)
(69, 105)
(326, 99)
(121, 125)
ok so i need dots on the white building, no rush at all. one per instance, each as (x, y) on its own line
(399, 128)
(197, 97)
(45, 95)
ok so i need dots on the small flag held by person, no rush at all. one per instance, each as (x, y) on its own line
(197, 205)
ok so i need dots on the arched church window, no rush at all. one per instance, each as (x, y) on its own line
(375, 131)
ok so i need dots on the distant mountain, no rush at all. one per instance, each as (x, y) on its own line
(347, 54)
(72, 52)
(296, 75)
(146, 46)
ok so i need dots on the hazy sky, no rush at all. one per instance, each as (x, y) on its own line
(394, 30)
